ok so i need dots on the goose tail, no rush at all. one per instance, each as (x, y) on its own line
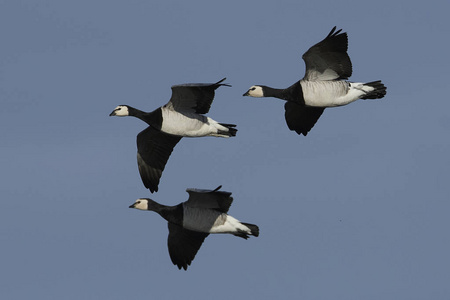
(379, 90)
(254, 230)
(230, 132)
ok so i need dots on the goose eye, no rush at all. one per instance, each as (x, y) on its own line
(252, 89)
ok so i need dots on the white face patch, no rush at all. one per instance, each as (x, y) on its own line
(255, 91)
(141, 204)
(120, 111)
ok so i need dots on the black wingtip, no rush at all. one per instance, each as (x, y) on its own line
(219, 83)
(149, 185)
(333, 32)
(217, 188)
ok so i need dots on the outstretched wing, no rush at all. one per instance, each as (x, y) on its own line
(153, 150)
(183, 245)
(328, 59)
(301, 118)
(212, 199)
(195, 97)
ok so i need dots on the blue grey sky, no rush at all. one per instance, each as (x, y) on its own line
(358, 209)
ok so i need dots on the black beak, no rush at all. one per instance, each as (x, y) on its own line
(246, 93)
(132, 205)
(113, 113)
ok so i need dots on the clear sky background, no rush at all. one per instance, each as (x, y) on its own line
(358, 209)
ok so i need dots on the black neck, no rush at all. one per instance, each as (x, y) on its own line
(153, 118)
(292, 93)
(271, 92)
(136, 113)
(171, 214)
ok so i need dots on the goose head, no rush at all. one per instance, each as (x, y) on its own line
(147, 204)
(255, 91)
(121, 111)
(141, 203)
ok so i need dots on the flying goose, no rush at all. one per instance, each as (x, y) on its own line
(190, 222)
(324, 85)
(180, 117)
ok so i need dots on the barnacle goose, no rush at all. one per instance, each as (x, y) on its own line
(181, 117)
(192, 221)
(324, 85)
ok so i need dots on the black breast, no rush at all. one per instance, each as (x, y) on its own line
(294, 93)
(173, 214)
(154, 118)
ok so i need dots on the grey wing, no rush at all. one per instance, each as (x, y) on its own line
(328, 59)
(183, 245)
(153, 150)
(212, 199)
(301, 118)
(195, 97)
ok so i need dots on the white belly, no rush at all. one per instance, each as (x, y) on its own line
(188, 124)
(201, 219)
(329, 93)
(210, 221)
